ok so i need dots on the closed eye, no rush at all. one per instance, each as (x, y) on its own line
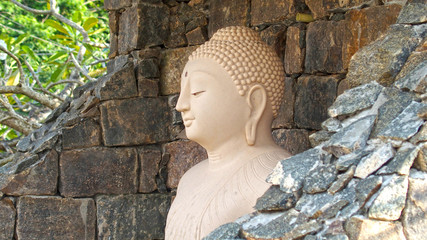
(197, 93)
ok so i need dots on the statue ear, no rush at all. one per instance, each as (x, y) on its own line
(257, 101)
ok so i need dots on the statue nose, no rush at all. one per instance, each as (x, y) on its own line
(182, 104)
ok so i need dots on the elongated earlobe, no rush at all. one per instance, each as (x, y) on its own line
(257, 101)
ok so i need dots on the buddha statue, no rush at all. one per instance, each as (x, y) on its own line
(231, 89)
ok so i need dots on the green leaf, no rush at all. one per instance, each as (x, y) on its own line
(77, 17)
(20, 39)
(58, 73)
(97, 31)
(59, 36)
(89, 23)
(56, 25)
(29, 52)
(56, 56)
(88, 47)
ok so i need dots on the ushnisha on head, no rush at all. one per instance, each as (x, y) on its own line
(247, 59)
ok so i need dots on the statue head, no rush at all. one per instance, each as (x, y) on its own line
(233, 80)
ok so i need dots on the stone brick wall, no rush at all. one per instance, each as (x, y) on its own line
(107, 162)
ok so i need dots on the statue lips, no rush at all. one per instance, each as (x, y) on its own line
(188, 122)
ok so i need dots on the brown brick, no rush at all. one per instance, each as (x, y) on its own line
(92, 171)
(228, 13)
(172, 63)
(55, 218)
(314, 95)
(183, 155)
(7, 218)
(295, 49)
(285, 118)
(113, 21)
(197, 36)
(148, 87)
(149, 158)
(293, 140)
(116, 4)
(117, 85)
(114, 47)
(320, 8)
(84, 134)
(271, 11)
(127, 122)
(275, 36)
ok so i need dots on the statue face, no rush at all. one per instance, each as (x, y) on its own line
(212, 110)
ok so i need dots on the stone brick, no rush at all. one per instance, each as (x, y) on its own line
(314, 95)
(116, 4)
(55, 218)
(285, 117)
(117, 85)
(7, 218)
(414, 217)
(84, 134)
(127, 122)
(141, 216)
(148, 87)
(183, 155)
(149, 158)
(39, 178)
(197, 36)
(172, 63)
(143, 25)
(275, 37)
(92, 171)
(271, 11)
(320, 8)
(324, 47)
(295, 49)
(366, 229)
(114, 47)
(113, 21)
(227, 13)
(293, 140)
(147, 68)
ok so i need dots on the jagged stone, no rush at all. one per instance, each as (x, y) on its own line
(414, 80)
(274, 200)
(334, 228)
(319, 137)
(7, 218)
(342, 180)
(25, 144)
(336, 237)
(353, 158)
(413, 12)
(290, 173)
(374, 161)
(350, 138)
(303, 229)
(134, 216)
(225, 231)
(366, 229)
(405, 125)
(331, 125)
(59, 110)
(402, 162)
(319, 178)
(116, 4)
(422, 112)
(117, 85)
(391, 200)
(421, 161)
(270, 11)
(355, 99)
(293, 140)
(421, 136)
(414, 217)
(368, 187)
(46, 142)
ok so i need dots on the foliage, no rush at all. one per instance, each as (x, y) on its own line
(47, 48)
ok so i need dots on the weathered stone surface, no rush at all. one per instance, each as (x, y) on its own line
(295, 49)
(350, 138)
(314, 94)
(183, 155)
(365, 229)
(353, 158)
(320, 178)
(144, 25)
(226, 231)
(413, 12)
(319, 137)
(274, 199)
(413, 75)
(421, 136)
(84, 134)
(331, 125)
(7, 218)
(127, 122)
(382, 60)
(140, 216)
(342, 180)
(39, 178)
(293, 140)
(405, 125)
(270, 11)
(285, 117)
(116, 5)
(113, 21)
(355, 99)
(149, 158)
(374, 161)
(321, 8)
(402, 162)
(290, 173)
(81, 174)
(368, 187)
(117, 85)
(148, 87)
(45, 142)
(228, 13)
(315, 205)
(324, 47)
(391, 200)
(421, 160)
(196, 36)
(55, 217)
(275, 37)
(414, 215)
(171, 66)
(147, 68)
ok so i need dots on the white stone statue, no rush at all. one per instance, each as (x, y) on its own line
(231, 89)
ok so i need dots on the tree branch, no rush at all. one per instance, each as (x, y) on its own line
(27, 91)
(21, 71)
(81, 70)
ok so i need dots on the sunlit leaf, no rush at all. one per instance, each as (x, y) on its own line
(58, 73)
(88, 47)
(59, 36)
(56, 56)
(77, 17)
(20, 39)
(56, 25)
(13, 79)
(29, 52)
(89, 23)
(98, 72)
(100, 30)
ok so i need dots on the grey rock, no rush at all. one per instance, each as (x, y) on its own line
(374, 161)
(290, 173)
(353, 158)
(303, 230)
(330, 210)
(405, 125)
(421, 160)
(421, 136)
(7, 218)
(274, 199)
(335, 237)
(225, 231)
(319, 137)
(415, 80)
(413, 12)
(320, 178)
(46, 142)
(59, 110)
(25, 144)
(359, 227)
(350, 138)
(355, 99)
(342, 180)
(367, 187)
(310, 204)
(331, 125)
(391, 200)
(402, 162)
